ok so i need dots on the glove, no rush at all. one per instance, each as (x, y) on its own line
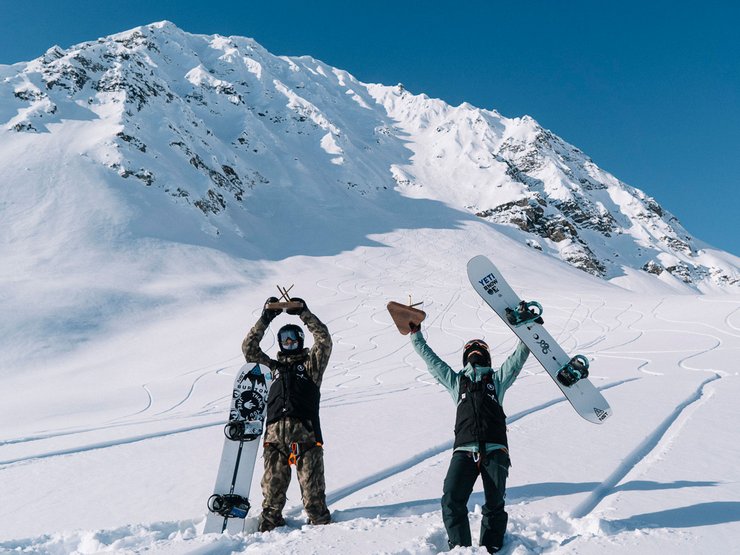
(297, 311)
(414, 327)
(269, 314)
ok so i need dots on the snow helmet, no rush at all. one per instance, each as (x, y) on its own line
(476, 352)
(290, 338)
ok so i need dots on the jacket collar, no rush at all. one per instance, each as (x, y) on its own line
(292, 357)
(475, 373)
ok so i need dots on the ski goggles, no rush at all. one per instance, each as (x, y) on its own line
(475, 344)
(289, 339)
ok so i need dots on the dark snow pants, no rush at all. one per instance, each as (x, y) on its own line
(458, 485)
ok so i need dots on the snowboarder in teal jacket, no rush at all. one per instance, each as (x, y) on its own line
(481, 446)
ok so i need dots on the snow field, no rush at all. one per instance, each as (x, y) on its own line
(124, 435)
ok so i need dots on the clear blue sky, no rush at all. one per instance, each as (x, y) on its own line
(649, 89)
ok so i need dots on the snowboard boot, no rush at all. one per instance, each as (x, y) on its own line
(317, 520)
(270, 521)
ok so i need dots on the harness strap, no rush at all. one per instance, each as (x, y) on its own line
(297, 450)
(481, 456)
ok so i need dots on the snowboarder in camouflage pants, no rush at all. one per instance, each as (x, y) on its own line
(293, 431)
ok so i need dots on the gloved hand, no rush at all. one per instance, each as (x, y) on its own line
(414, 327)
(297, 311)
(269, 314)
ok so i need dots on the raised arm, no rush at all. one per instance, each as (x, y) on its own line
(251, 344)
(511, 368)
(322, 343)
(438, 368)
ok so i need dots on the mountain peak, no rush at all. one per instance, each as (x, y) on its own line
(215, 128)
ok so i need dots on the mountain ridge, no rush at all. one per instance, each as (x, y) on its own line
(227, 131)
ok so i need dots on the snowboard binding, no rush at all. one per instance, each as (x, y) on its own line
(575, 370)
(229, 505)
(526, 312)
(243, 430)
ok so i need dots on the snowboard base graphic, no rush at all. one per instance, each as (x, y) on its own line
(229, 504)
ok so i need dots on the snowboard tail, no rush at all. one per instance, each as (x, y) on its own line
(570, 374)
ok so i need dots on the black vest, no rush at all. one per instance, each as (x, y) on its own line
(294, 394)
(480, 417)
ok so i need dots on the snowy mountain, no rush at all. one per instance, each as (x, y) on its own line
(155, 186)
(219, 134)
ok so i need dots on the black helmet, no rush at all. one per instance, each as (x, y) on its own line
(290, 338)
(476, 352)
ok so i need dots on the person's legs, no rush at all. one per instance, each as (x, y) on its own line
(458, 485)
(275, 482)
(494, 472)
(310, 469)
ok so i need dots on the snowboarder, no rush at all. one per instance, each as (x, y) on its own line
(293, 431)
(481, 445)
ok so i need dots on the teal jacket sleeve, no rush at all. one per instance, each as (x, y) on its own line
(510, 370)
(438, 368)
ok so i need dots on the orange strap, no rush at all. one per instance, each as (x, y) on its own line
(296, 452)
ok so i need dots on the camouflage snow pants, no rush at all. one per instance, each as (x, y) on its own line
(275, 481)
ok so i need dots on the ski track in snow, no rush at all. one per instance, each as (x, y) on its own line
(186, 398)
(639, 455)
(727, 319)
(107, 444)
(666, 431)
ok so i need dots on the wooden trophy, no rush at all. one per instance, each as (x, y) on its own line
(286, 303)
(406, 316)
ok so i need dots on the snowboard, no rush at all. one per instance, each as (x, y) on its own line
(525, 320)
(229, 504)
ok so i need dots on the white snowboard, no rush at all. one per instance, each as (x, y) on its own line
(248, 410)
(492, 287)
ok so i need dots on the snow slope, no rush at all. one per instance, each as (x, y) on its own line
(123, 307)
(114, 446)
